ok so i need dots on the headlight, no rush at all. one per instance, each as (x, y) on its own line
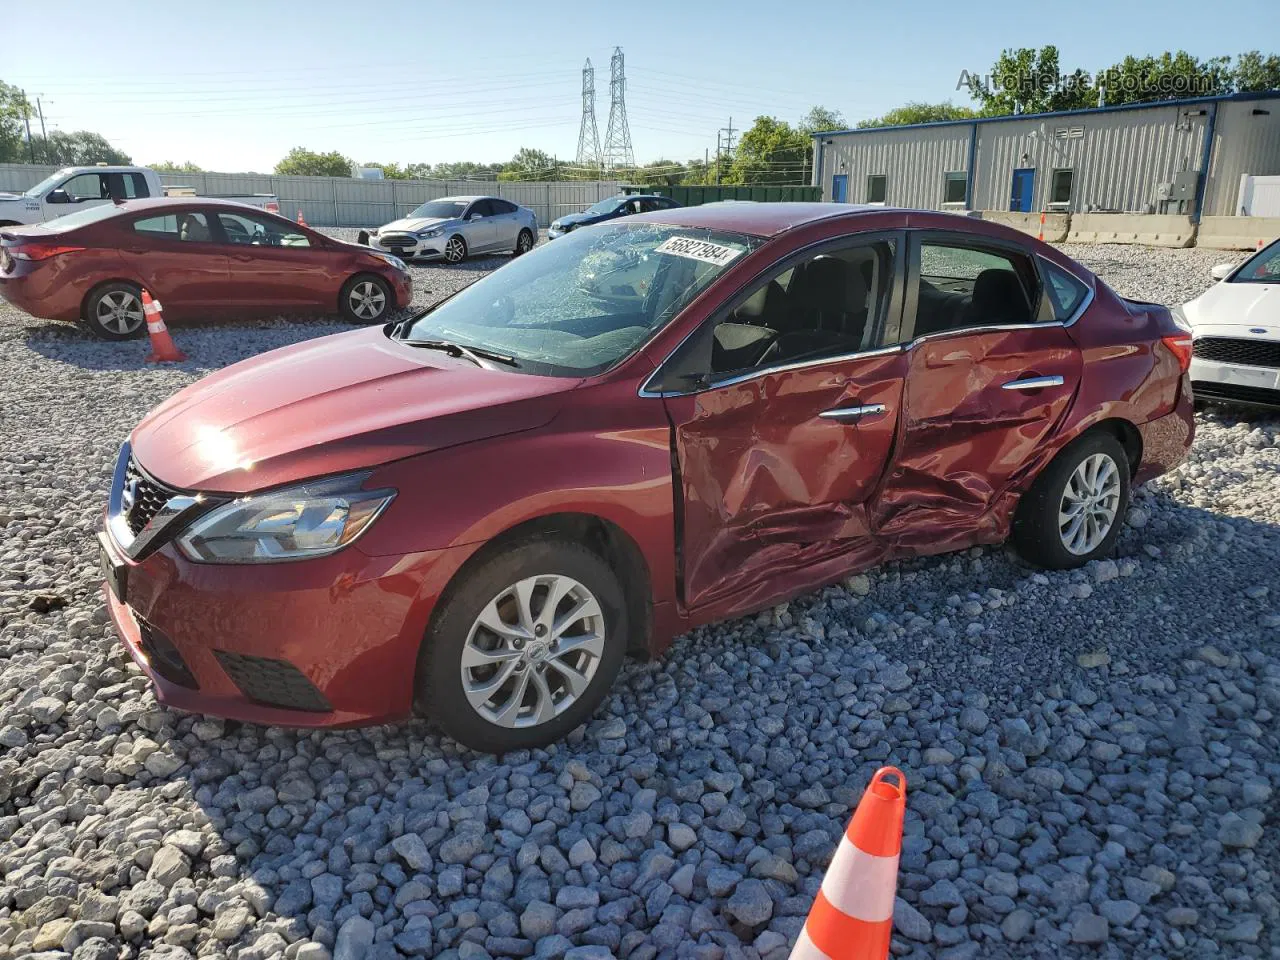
(309, 520)
(429, 234)
(393, 261)
(1180, 318)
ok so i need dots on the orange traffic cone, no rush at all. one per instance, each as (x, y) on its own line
(852, 916)
(302, 221)
(163, 348)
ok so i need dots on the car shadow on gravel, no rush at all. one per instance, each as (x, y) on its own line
(705, 798)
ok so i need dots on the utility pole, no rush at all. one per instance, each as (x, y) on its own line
(44, 137)
(26, 117)
(706, 161)
(717, 158)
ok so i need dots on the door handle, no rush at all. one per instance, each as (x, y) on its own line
(1033, 383)
(853, 413)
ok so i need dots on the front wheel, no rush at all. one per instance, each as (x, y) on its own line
(113, 311)
(455, 250)
(524, 242)
(365, 299)
(525, 648)
(1073, 512)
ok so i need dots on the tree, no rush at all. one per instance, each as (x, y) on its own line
(916, 112)
(820, 119)
(1170, 76)
(1024, 80)
(79, 149)
(666, 173)
(1254, 72)
(301, 162)
(168, 166)
(771, 152)
(390, 171)
(531, 164)
(13, 110)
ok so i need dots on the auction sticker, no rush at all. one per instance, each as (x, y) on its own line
(702, 250)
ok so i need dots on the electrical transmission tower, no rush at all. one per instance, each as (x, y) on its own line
(618, 154)
(588, 135)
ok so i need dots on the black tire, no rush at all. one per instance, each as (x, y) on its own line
(455, 249)
(366, 292)
(524, 243)
(1037, 534)
(113, 311)
(439, 689)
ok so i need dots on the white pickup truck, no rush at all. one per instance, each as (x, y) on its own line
(73, 188)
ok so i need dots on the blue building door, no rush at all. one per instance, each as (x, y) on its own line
(1022, 198)
(840, 188)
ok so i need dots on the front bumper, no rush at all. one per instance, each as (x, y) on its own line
(554, 232)
(406, 249)
(331, 641)
(1235, 382)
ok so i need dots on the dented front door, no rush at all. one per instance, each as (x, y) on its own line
(776, 470)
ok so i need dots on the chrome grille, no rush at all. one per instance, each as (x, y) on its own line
(142, 497)
(397, 239)
(1254, 353)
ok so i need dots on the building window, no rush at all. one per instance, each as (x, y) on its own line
(877, 188)
(953, 187)
(1060, 187)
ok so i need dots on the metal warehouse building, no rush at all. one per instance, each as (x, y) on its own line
(1183, 157)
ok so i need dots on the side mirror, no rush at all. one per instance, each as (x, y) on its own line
(476, 216)
(58, 196)
(1222, 271)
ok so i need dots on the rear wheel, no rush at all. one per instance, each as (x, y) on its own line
(525, 648)
(1073, 512)
(524, 242)
(455, 250)
(113, 311)
(366, 299)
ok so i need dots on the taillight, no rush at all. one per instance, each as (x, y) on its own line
(1180, 346)
(272, 207)
(41, 251)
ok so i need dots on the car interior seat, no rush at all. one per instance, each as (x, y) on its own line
(828, 308)
(998, 297)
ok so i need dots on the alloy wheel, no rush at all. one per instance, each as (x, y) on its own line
(367, 300)
(524, 243)
(1089, 504)
(119, 311)
(533, 651)
(455, 250)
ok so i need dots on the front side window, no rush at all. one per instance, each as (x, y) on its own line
(877, 188)
(1060, 186)
(86, 186)
(481, 208)
(440, 209)
(608, 205)
(189, 227)
(953, 187)
(826, 306)
(248, 230)
(1262, 267)
(580, 305)
(970, 286)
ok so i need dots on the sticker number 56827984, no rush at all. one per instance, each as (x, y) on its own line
(703, 250)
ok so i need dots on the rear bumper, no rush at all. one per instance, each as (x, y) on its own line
(37, 291)
(1167, 440)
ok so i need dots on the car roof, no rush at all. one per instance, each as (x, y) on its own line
(171, 203)
(766, 219)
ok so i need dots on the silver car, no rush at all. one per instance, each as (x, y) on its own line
(453, 228)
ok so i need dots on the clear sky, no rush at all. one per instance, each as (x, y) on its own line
(232, 85)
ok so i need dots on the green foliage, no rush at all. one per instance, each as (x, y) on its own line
(168, 166)
(664, 173)
(771, 151)
(13, 107)
(461, 170)
(1170, 76)
(916, 112)
(531, 164)
(819, 119)
(78, 149)
(301, 162)
(1024, 80)
(1254, 72)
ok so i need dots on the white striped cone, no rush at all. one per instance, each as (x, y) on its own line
(852, 916)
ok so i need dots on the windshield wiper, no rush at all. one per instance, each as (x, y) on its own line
(475, 354)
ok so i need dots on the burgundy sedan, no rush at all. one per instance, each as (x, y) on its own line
(200, 259)
(478, 512)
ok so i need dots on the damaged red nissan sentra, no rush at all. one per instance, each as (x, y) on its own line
(675, 418)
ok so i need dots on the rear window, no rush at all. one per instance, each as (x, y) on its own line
(1066, 293)
(82, 218)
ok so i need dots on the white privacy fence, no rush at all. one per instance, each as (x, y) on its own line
(345, 202)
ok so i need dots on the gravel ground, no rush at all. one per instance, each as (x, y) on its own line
(1093, 756)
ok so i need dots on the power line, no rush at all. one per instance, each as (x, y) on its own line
(588, 134)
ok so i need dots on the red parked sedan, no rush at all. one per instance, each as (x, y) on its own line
(202, 259)
(647, 425)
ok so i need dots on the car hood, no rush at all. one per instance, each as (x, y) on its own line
(9, 197)
(335, 404)
(1237, 305)
(414, 224)
(578, 219)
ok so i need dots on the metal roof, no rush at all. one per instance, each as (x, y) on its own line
(1147, 105)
